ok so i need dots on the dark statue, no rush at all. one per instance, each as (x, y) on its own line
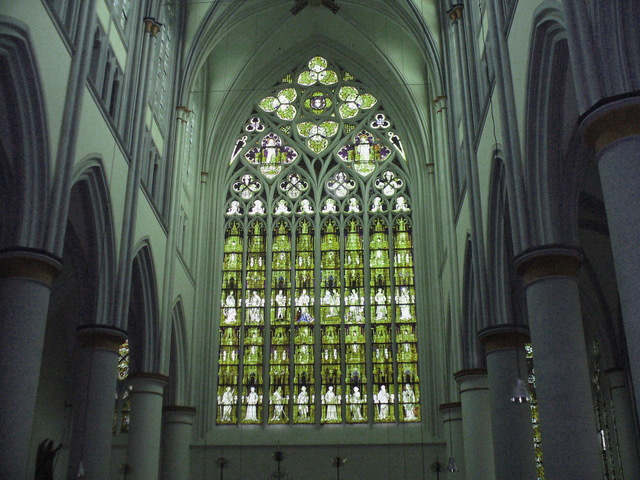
(44, 459)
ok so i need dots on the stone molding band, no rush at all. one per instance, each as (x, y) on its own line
(179, 408)
(455, 12)
(151, 26)
(469, 372)
(613, 125)
(149, 376)
(29, 263)
(103, 337)
(548, 261)
(449, 406)
(501, 337)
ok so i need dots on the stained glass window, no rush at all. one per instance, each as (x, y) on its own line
(318, 292)
(123, 399)
(535, 419)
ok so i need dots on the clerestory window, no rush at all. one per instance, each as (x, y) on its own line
(317, 315)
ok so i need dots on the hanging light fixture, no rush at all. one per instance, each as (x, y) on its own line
(520, 391)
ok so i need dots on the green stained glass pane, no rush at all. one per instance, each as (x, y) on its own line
(287, 95)
(304, 299)
(348, 93)
(229, 353)
(123, 361)
(287, 79)
(306, 78)
(328, 77)
(317, 64)
(318, 145)
(331, 128)
(366, 101)
(407, 354)
(347, 77)
(285, 129)
(331, 355)
(304, 128)
(348, 110)
(348, 127)
(286, 112)
(269, 104)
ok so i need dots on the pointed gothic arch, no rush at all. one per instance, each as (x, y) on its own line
(90, 200)
(317, 211)
(177, 391)
(143, 320)
(24, 144)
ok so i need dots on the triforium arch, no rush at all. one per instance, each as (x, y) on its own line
(317, 314)
(24, 153)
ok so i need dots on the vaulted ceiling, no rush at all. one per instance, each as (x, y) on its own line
(237, 49)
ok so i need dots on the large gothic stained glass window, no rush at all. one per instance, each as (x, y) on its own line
(317, 312)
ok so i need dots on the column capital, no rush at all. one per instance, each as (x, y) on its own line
(610, 120)
(471, 374)
(455, 12)
(29, 263)
(151, 26)
(548, 261)
(506, 336)
(451, 412)
(147, 382)
(449, 406)
(617, 377)
(178, 414)
(103, 337)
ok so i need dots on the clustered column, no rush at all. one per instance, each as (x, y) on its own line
(570, 440)
(624, 418)
(451, 414)
(143, 449)
(614, 132)
(95, 384)
(476, 424)
(25, 285)
(511, 422)
(176, 437)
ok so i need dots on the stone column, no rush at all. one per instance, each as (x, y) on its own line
(25, 286)
(176, 438)
(623, 420)
(614, 131)
(143, 449)
(511, 422)
(476, 424)
(93, 400)
(570, 440)
(451, 414)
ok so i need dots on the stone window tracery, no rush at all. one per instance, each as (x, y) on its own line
(318, 260)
